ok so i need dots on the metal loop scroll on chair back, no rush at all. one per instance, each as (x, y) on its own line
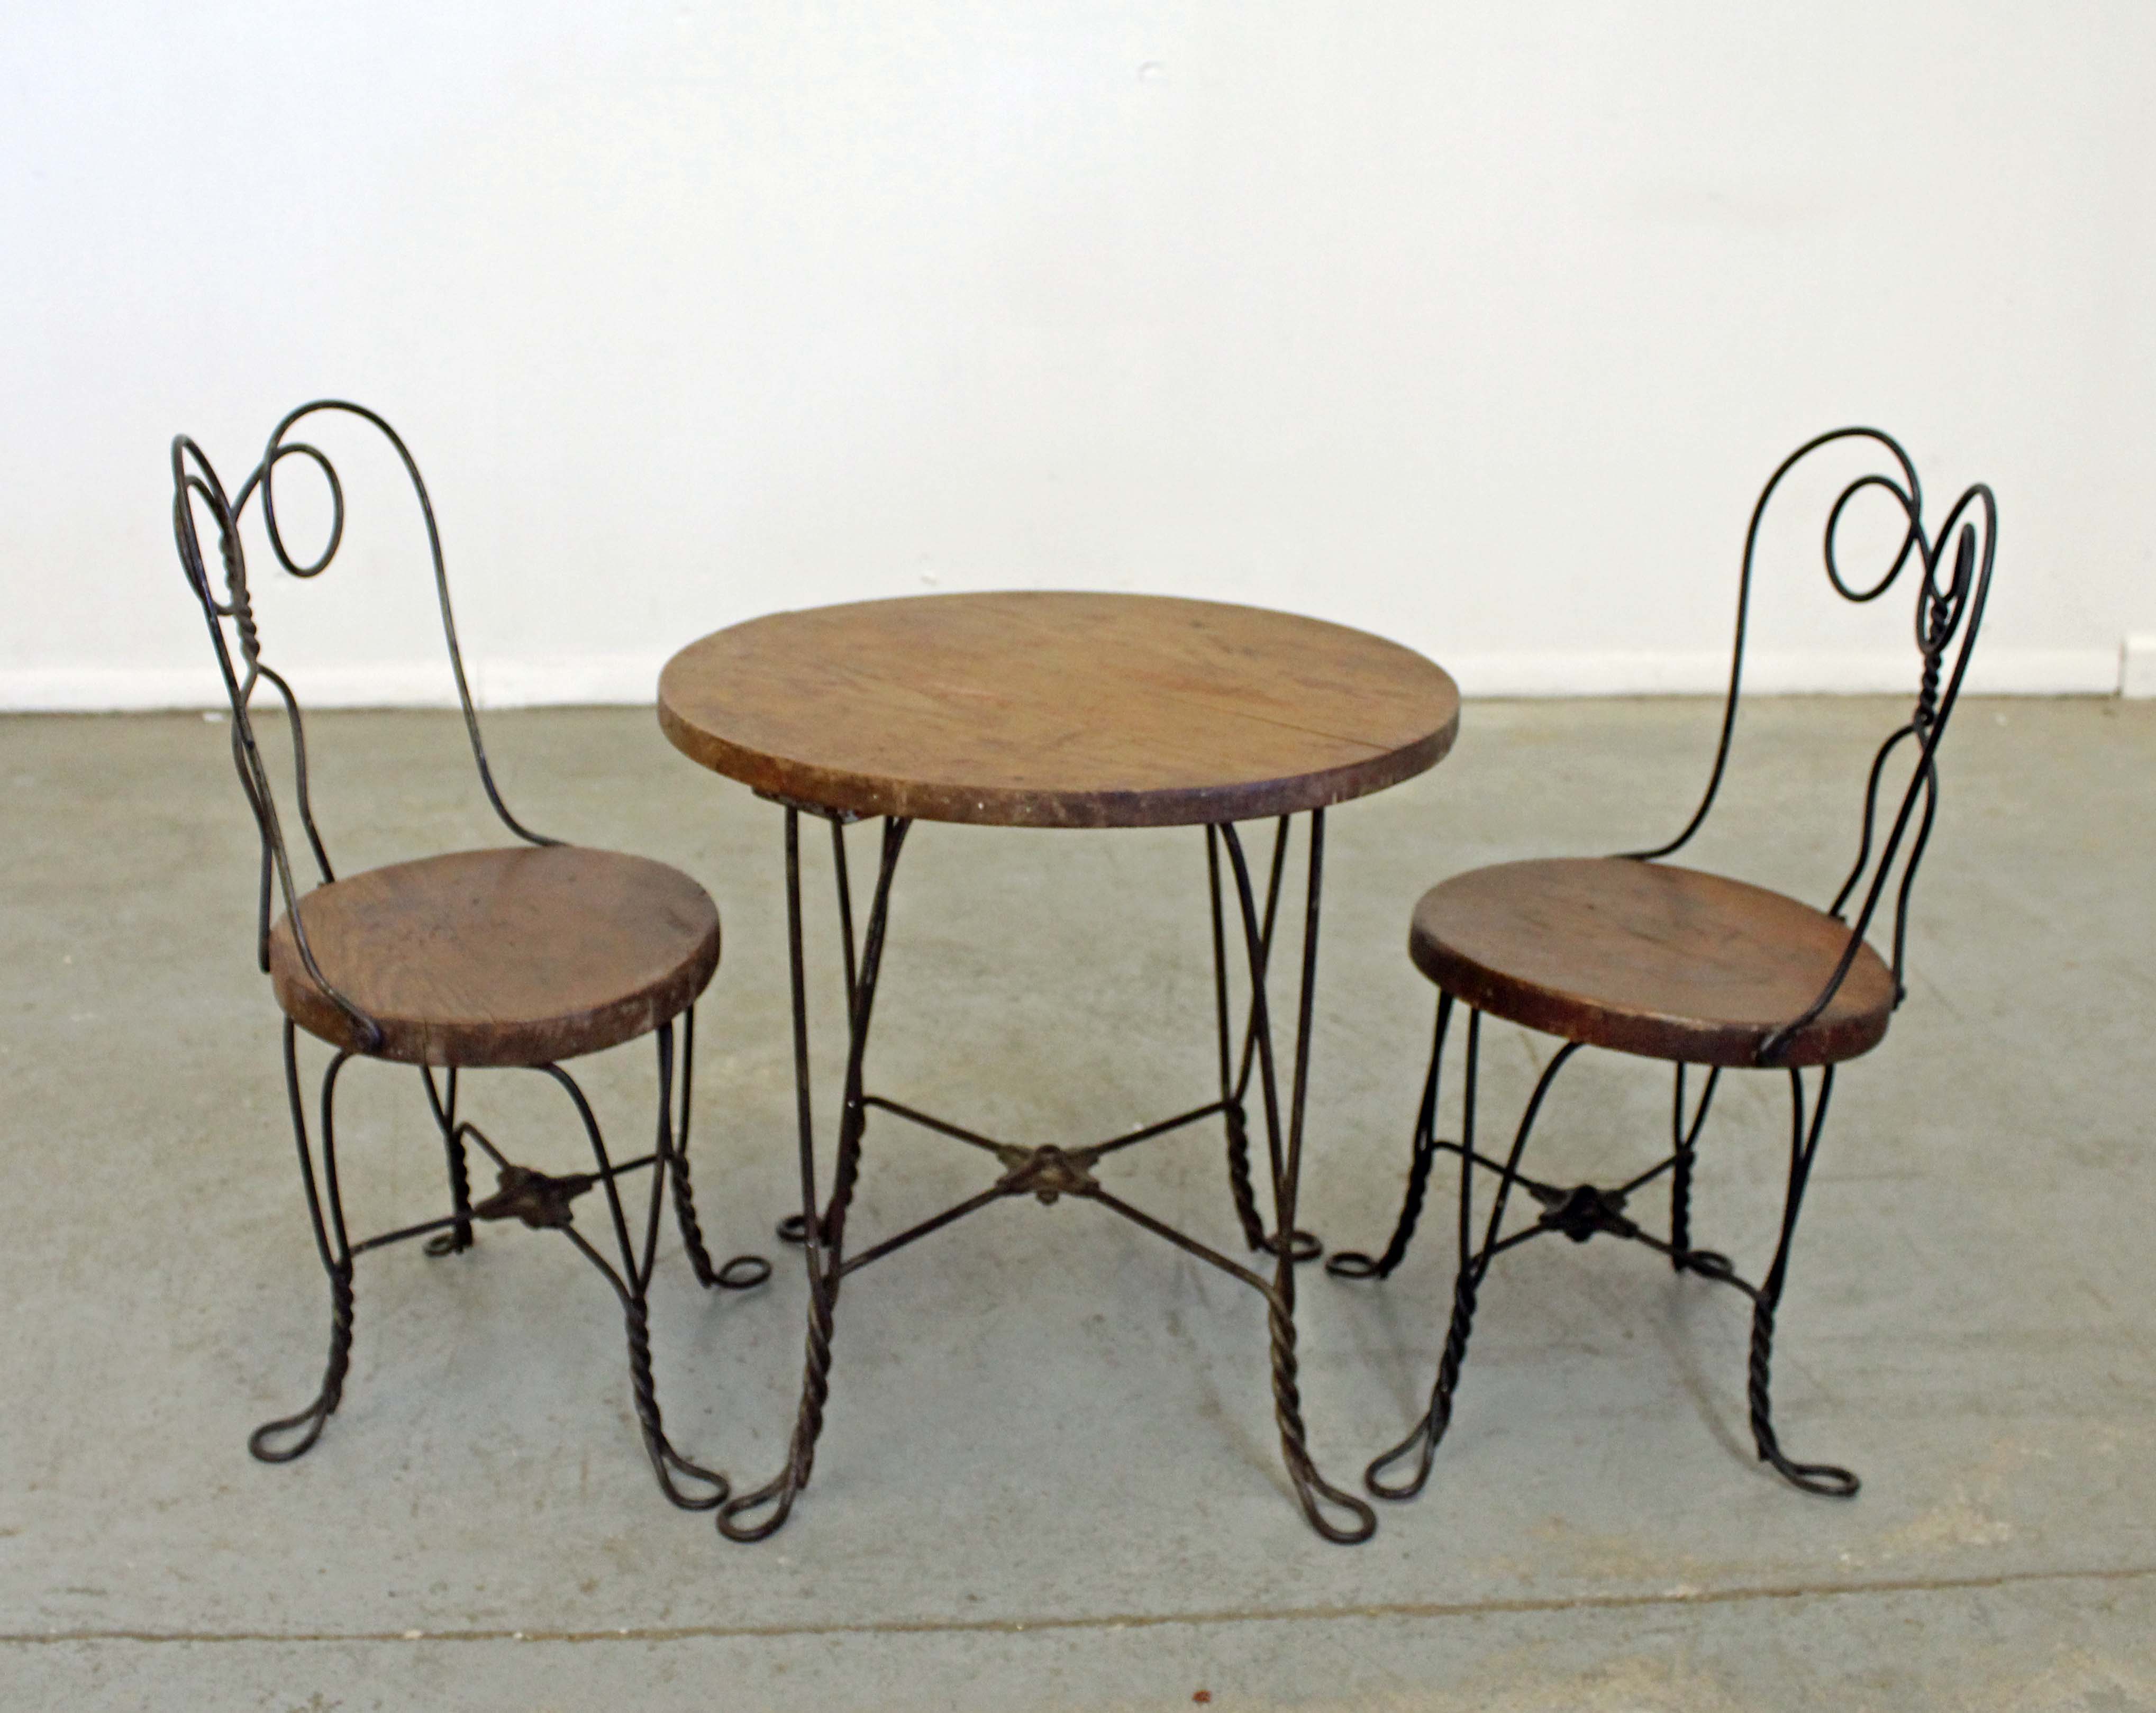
(1949, 611)
(234, 630)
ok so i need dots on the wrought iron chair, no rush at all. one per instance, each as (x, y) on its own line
(1645, 958)
(521, 957)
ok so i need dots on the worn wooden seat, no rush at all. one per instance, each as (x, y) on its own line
(516, 956)
(1650, 959)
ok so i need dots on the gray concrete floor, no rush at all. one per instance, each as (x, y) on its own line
(1050, 1478)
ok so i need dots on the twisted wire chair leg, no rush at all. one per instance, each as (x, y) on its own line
(631, 1283)
(741, 1272)
(666, 1462)
(1681, 1210)
(1422, 1440)
(1353, 1264)
(1829, 1479)
(459, 1237)
(692, 1230)
(1685, 1139)
(673, 1142)
(309, 1421)
(332, 1243)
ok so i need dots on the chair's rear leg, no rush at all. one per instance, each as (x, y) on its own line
(1830, 1479)
(1681, 1199)
(460, 1234)
(742, 1271)
(1349, 1263)
(459, 1237)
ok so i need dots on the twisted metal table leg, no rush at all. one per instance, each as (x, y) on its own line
(1313, 1492)
(1234, 1117)
(823, 1235)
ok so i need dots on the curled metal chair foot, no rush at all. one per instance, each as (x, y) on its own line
(1303, 1245)
(309, 1421)
(1830, 1480)
(778, 1494)
(312, 1420)
(742, 1273)
(1422, 1442)
(668, 1463)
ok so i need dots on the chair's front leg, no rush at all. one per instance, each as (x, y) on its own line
(1421, 1441)
(632, 1284)
(1474, 1265)
(1829, 1479)
(326, 1210)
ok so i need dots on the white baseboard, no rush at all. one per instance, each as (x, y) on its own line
(596, 680)
(2136, 667)
(632, 680)
(1998, 672)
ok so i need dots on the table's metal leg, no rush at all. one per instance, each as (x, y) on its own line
(1050, 1173)
(1233, 1083)
(1312, 1489)
(823, 1232)
(1236, 1068)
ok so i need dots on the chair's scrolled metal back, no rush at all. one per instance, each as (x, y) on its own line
(1949, 611)
(233, 632)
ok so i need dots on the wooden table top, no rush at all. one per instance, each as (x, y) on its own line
(1046, 709)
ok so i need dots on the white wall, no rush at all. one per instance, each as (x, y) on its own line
(1476, 324)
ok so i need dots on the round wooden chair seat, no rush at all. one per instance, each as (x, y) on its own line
(1648, 958)
(519, 957)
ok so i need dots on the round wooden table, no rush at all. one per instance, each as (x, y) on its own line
(1041, 708)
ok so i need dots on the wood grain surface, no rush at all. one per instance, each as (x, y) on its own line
(516, 956)
(1041, 708)
(1649, 958)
